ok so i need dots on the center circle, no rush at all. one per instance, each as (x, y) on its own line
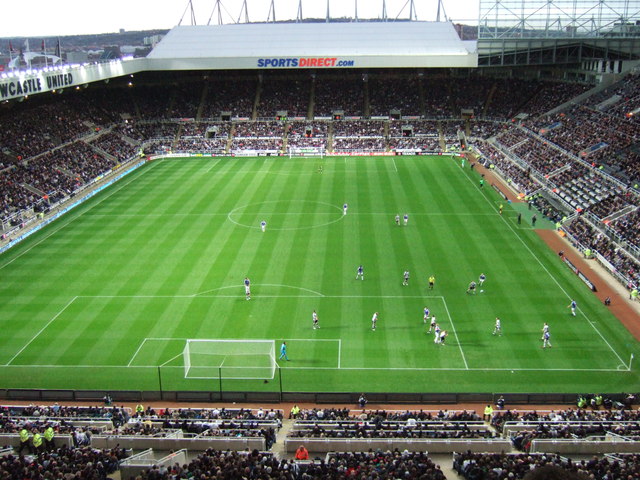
(286, 214)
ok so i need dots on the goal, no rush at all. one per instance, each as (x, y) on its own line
(239, 359)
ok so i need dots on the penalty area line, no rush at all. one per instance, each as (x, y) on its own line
(136, 352)
(41, 330)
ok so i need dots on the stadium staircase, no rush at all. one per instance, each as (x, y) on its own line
(178, 136)
(441, 138)
(490, 96)
(285, 138)
(32, 189)
(620, 213)
(607, 82)
(330, 138)
(103, 153)
(203, 101)
(312, 99)
(421, 96)
(278, 448)
(367, 104)
(256, 101)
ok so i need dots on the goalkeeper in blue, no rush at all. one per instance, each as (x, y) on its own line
(283, 352)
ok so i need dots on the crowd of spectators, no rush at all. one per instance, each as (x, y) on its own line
(343, 93)
(307, 134)
(146, 130)
(502, 466)
(115, 145)
(362, 144)
(484, 129)
(539, 155)
(62, 411)
(287, 94)
(265, 144)
(267, 129)
(200, 144)
(574, 172)
(426, 144)
(609, 205)
(200, 129)
(232, 94)
(591, 238)
(70, 463)
(601, 129)
(354, 128)
(418, 127)
(629, 226)
(257, 465)
(307, 129)
(375, 465)
(385, 96)
(515, 176)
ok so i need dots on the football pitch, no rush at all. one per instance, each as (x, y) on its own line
(106, 297)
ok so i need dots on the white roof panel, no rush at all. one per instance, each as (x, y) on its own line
(356, 45)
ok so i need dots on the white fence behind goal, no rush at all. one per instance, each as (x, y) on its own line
(241, 359)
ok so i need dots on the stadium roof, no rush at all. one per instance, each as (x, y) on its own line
(314, 45)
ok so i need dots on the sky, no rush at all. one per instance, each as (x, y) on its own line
(46, 18)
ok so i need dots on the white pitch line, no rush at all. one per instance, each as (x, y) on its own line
(422, 369)
(460, 369)
(455, 333)
(273, 214)
(202, 294)
(309, 339)
(316, 295)
(136, 352)
(394, 164)
(171, 359)
(339, 352)
(548, 273)
(41, 330)
(166, 339)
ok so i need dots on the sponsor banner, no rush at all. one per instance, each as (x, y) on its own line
(570, 265)
(255, 153)
(580, 275)
(305, 62)
(586, 281)
(497, 189)
(408, 151)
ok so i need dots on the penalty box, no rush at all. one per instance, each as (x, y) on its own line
(234, 358)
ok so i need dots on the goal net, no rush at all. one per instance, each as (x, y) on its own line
(241, 359)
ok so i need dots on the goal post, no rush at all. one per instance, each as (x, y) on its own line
(230, 359)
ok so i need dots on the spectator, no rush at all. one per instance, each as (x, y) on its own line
(302, 453)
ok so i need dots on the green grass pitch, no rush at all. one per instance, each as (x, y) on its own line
(105, 297)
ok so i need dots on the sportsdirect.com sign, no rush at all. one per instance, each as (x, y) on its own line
(306, 62)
